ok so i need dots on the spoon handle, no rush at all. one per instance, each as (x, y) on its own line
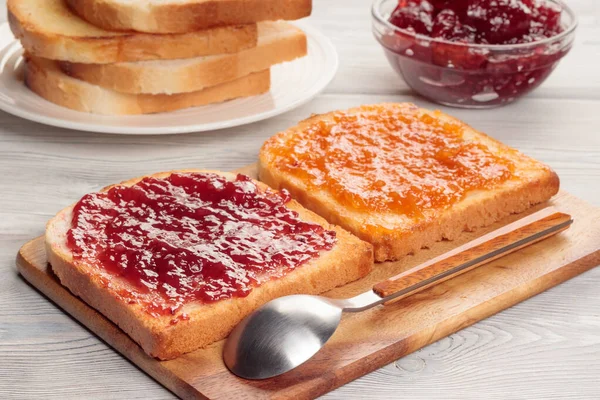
(503, 241)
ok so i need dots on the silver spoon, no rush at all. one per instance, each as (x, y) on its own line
(286, 332)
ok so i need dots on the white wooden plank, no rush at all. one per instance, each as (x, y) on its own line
(547, 347)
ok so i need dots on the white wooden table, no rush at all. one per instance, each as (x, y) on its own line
(547, 347)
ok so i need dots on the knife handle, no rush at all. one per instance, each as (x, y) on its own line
(512, 237)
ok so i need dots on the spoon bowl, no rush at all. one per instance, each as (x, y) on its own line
(281, 335)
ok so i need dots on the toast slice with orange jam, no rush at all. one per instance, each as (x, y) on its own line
(401, 177)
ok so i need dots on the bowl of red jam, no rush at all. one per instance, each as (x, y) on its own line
(474, 53)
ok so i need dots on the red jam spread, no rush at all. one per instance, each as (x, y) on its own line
(451, 61)
(191, 237)
(390, 158)
(480, 21)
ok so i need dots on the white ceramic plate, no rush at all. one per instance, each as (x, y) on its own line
(292, 84)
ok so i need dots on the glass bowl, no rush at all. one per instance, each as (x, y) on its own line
(470, 75)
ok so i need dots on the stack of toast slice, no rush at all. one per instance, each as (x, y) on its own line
(133, 57)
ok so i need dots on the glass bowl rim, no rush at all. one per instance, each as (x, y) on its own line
(376, 14)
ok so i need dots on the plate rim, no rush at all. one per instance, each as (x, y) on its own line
(311, 33)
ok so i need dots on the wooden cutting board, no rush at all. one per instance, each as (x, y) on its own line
(368, 340)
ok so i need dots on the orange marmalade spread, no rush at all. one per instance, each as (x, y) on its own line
(389, 159)
(191, 237)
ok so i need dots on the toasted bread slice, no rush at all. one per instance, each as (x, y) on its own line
(48, 29)
(348, 260)
(45, 78)
(277, 42)
(179, 16)
(397, 233)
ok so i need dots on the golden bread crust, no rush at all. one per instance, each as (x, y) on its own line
(45, 78)
(71, 39)
(278, 42)
(192, 15)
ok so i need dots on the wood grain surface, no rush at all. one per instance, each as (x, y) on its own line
(370, 339)
(547, 347)
(461, 259)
